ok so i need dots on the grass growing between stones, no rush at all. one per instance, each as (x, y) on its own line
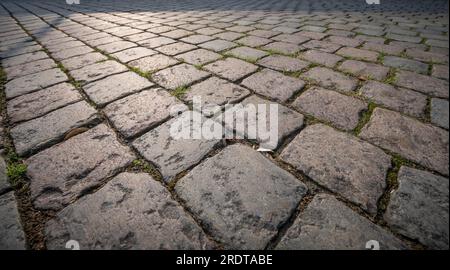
(364, 118)
(179, 92)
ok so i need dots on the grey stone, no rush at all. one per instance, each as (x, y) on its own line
(71, 52)
(328, 224)
(342, 111)
(321, 46)
(344, 164)
(253, 41)
(64, 172)
(406, 64)
(29, 68)
(139, 112)
(422, 83)
(383, 48)
(133, 54)
(41, 102)
(414, 140)
(23, 58)
(440, 71)
(115, 87)
(358, 54)
(198, 57)
(83, 60)
(282, 47)
(344, 41)
(218, 45)
(364, 69)
(97, 71)
(215, 91)
(40, 132)
(179, 76)
(4, 183)
(116, 46)
(156, 42)
(427, 56)
(231, 68)
(321, 58)
(246, 53)
(33, 82)
(331, 79)
(12, 236)
(196, 39)
(240, 197)
(132, 211)
(419, 207)
(153, 63)
(398, 99)
(273, 84)
(289, 121)
(439, 112)
(170, 154)
(176, 48)
(283, 63)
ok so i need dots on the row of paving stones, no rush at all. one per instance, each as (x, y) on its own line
(242, 216)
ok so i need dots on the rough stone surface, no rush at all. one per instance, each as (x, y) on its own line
(29, 68)
(289, 121)
(132, 211)
(283, 63)
(321, 58)
(419, 207)
(240, 196)
(414, 140)
(346, 165)
(425, 84)
(247, 53)
(153, 63)
(115, 87)
(41, 102)
(4, 182)
(364, 69)
(231, 68)
(40, 132)
(198, 57)
(439, 112)
(83, 60)
(273, 84)
(97, 71)
(398, 99)
(179, 76)
(12, 236)
(358, 54)
(133, 54)
(135, 114)
(67, 171)
(406, 64)
(331, 79)
(34, 82)
(171, 154)
(342, 111)
(328, 224)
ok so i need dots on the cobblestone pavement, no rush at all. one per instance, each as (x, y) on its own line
(364, 117)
